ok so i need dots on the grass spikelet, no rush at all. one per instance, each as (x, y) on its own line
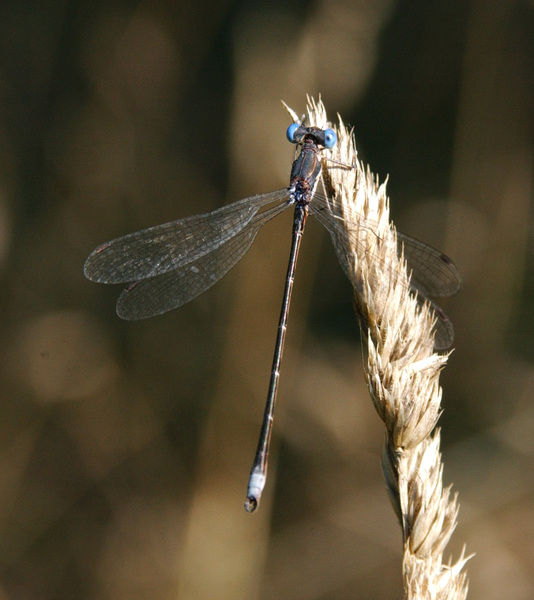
(402, 367)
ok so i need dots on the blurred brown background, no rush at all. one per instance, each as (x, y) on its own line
(125, 447)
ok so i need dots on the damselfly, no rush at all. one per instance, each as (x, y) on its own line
(168, 265)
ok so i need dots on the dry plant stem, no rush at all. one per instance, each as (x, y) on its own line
(402, 369)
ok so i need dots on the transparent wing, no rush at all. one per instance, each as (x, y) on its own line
(444, 330)
(163, 248)
(432, 272)
(157, 295)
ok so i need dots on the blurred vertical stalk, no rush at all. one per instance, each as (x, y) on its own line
(402, 370)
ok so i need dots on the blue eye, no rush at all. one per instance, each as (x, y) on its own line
(290, 133)
(330, 138)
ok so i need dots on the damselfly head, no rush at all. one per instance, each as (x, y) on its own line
(324, 137)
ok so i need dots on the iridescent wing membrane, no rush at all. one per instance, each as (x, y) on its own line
(432, 273)
(168, 265)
